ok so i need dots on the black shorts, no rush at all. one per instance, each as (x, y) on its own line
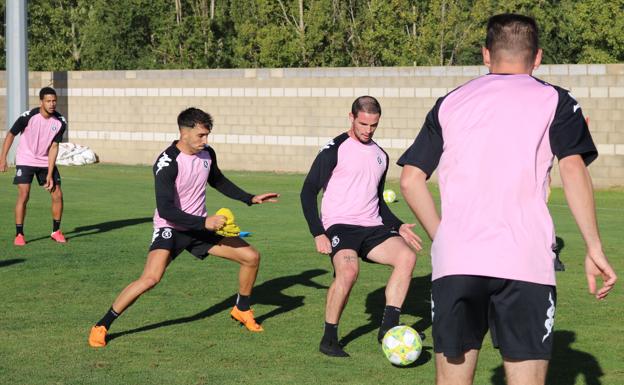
(362, 239)
(176, 241)
(24, 175)
(520, 316)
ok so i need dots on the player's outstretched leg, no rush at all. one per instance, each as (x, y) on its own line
(236, 249)
(346, 267)
(157, 262)
(396, 253)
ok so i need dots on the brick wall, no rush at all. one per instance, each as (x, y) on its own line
(276, 119)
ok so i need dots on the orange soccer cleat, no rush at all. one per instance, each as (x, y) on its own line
(97, 337)
(19, 240)
(58, 236)
(246, 318)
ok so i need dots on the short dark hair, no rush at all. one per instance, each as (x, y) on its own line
(192, 116)
(366, 104)
(514, 33)
(46, 91)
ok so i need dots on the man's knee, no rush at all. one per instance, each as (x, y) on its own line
(149, 281)
(23, 196)
(347, 276)
(250, 257)
(405, 260)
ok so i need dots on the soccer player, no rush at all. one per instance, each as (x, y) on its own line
(493, 141)
(42, 130)
(181, 221)
(355, 221)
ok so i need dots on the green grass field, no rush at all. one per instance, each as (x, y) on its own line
(181, 333)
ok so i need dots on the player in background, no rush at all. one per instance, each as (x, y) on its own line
(355, 222)
(42, 130)
(492, 141)
(181, 221)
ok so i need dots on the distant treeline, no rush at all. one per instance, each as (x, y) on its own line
(184, 34)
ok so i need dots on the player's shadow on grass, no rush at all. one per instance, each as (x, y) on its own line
(267, 293)
(9, 262)
(417, 303)
(83, 231)
(566, 365)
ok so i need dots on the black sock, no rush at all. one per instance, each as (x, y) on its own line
(108, 318)
(390, 317)
(242, 302)
(56, 225)
(331, 332)
(19, 229)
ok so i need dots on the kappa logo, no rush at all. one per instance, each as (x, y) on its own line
(379, 159)
(25, 113)
(576, 106)
(432, 307)
(550, 317)
(166, 234)
(205, 164)
(335, 241)
(155, 235)
(163, 162)
(328, 145)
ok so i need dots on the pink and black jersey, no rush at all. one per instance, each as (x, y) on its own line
(352, 175)
(180, 184)
(38, 133)
(492, 141)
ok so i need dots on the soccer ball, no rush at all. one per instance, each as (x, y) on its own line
(389, 196)
(401, 345)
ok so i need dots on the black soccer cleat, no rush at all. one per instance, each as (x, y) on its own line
(332, 348)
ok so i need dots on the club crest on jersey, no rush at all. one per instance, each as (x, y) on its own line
(163, 162)
(335, 241)
(166, 234)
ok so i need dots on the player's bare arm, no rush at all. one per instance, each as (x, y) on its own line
(266, 197)
(419, 199)
(578, 190)
(8, 141)
(52, 154)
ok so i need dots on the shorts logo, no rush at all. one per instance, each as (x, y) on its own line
(432, 312)
(393, 232)
(19, 172)
(166, 234)
(155, 235)
(335, 241)
(550, 317)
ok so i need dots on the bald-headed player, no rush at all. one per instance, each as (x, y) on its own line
(354, 220)
(492, 141)
(181, 221)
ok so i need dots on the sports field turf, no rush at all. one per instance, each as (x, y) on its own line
(181, 333)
